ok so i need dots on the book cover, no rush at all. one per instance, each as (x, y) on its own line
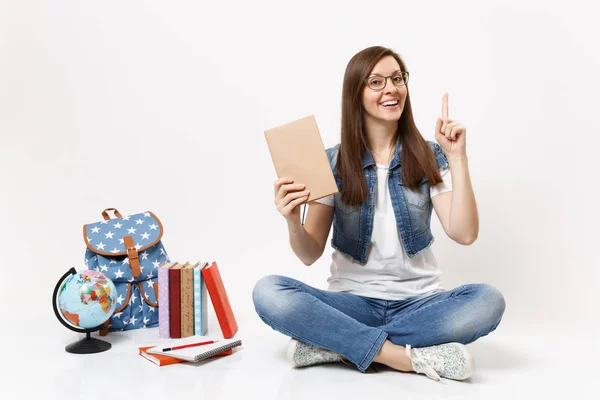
(163, 300)
(162, 360)
(298, 153)
(187, 300)
(175, 301)
(199, 353)
(200, 301)
(159, 359)
(220, 300)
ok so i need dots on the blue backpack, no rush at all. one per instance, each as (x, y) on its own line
(129, 251)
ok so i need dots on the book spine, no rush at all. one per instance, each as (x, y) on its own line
(220, 300)
(198, 326)
(187, 302)
(163, 304)
(204, 306)
(175, 303)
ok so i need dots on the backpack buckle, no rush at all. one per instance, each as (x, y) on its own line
(132, 253)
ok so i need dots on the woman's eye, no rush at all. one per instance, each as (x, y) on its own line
(375, 81)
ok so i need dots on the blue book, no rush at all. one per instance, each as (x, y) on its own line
(200, 301)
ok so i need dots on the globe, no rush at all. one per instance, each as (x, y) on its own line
(82, 302)
(87, 299)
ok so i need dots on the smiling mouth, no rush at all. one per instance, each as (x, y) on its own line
(390, 104)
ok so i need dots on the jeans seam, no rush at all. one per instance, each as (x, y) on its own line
(371, 351)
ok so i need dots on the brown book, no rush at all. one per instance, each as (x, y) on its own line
(298, 153)
(175, 301)
(187, 300)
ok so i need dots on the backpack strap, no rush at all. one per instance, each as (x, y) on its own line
(132, 253)
(151, 304)
(105, 213)
(104, 330)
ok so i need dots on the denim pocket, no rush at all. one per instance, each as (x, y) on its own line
(419, 196)
(418, 206)
(347, 220)
(348, 209)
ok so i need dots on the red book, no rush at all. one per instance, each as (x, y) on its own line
(175, 301)
(159, 359)
(220, 301)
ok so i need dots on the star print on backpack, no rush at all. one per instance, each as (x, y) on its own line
(129, 251)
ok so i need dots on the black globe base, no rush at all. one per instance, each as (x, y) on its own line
(89, 345)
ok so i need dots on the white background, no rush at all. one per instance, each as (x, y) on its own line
(161, 106)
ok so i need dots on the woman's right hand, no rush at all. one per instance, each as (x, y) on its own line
(288, 195)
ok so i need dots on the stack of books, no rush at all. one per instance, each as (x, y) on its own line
(183, 302)
(183, 306)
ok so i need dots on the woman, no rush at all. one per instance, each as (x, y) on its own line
(385, 302)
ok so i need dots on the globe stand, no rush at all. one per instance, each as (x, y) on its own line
(87, 345)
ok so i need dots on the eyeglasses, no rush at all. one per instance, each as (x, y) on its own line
(379, 82)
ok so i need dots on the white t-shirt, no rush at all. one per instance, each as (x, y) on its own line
(389, 273)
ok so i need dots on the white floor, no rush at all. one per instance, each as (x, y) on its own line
(510, 363)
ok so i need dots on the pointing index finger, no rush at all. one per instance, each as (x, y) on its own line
(445, 107)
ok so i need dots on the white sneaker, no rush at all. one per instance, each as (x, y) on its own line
(302, 354)
(449, 360)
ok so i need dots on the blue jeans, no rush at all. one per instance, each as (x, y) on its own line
(356, 326)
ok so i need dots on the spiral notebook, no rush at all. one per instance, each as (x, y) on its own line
(195, 354)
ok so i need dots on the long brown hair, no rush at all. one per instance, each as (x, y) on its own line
(417, 157)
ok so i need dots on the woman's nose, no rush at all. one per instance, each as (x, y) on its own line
(389, 86)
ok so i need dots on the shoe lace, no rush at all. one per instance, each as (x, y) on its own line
(427, 365)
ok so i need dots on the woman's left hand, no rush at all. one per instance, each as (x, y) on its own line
(450, 134)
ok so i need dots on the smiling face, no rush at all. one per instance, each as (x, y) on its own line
(386, 105)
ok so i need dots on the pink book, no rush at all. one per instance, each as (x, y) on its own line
(163, 300)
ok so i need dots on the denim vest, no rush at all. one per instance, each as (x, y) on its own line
(353, 225)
